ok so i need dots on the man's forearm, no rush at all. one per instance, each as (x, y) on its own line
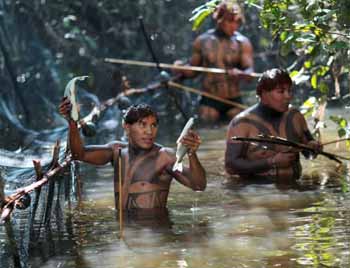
(198, 176)
(244, 166)
(75, 143)
(237, 163)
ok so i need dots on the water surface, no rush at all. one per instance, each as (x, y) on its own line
(228, 225)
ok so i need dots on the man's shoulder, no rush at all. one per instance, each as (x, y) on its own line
(166, 154)
(209, 34)
(240, 37)
(295, 113)
(245, 113)
(116, 144)
(166, 150)
(243, 116)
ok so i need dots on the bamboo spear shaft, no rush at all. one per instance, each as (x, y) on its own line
(120, 194)
(175, 67)
(208, 95)
(285, 142)
(335, 141)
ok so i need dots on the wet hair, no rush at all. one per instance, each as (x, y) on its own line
(270, 79)
(137, 112)
(228, 10)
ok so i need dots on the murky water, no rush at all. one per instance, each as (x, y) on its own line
(228, 225)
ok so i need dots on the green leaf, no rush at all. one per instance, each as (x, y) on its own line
(293, 73)
(347, 144)
(199, 18)
(341, 132)
(283, 36)
(339, 45)
(322, 70)
(343, 123)
(307, 64)
(285, 49)
(323, 87)
(314, 81)
(309, 106)
(335, 118)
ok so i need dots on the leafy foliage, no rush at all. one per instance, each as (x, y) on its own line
(202, 12)
(343, 127)
(317, 33)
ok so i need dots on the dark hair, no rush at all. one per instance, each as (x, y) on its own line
(137, 112)
(272, 78)
(225, 9)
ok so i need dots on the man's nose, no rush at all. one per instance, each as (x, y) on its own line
(148, 129)
(288, 94)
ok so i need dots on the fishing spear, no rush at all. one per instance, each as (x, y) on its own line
(285, 142)
(175, 66)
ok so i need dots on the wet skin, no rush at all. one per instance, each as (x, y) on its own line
(272, 116)
(145, 166)
(220, 49)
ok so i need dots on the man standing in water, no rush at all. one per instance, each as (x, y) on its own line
(225, 48)
(270, 116)
(146, 167)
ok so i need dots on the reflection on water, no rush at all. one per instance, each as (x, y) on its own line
(228, 225)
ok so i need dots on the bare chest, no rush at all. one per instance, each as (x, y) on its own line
(224, 53)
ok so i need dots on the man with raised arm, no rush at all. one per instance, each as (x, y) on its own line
(146, 167)
(271, 116)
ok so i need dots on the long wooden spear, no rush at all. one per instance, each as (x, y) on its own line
(335, 141)
(120, 187)
(175, 67)
(285, 142)
(208, 95)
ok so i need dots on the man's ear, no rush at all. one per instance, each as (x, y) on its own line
(126, 128)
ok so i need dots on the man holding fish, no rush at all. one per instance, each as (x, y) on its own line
(145, 168)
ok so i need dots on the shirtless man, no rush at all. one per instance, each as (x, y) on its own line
(146, 167)
(225, 48)
(270, 116)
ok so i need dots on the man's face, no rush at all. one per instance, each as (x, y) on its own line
(142, 134)
(229, 24)
(278, 98)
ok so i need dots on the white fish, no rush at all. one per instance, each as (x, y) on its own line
(181, 149)
(70, 92)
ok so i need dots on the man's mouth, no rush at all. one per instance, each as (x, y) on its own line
(147, 140)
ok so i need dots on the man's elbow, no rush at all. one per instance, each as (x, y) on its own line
(200, 188)
(77, 156)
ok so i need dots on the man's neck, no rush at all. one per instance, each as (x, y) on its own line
(220, 33)
(135, 151)
(268, 112)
